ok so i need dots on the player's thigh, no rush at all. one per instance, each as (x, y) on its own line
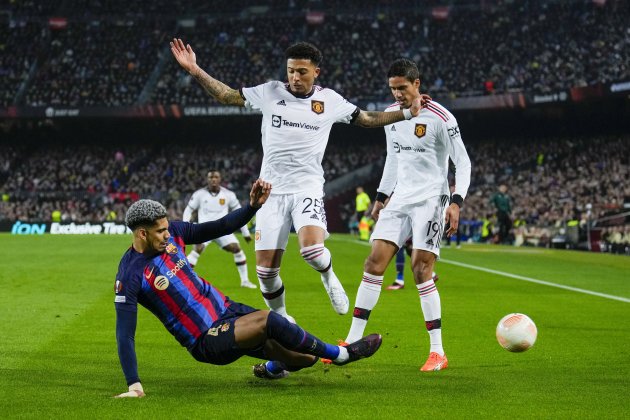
(427, 220)
(226, 240)
(273, 223)
(394, 225)
(307, 210)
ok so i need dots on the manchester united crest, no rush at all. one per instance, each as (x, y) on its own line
(421, 130)
(317, 107)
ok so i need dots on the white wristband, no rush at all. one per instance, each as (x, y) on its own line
(407, 113)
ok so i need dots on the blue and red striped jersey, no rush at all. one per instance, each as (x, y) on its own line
(166, 285)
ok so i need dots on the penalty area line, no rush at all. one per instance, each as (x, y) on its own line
(513, 276)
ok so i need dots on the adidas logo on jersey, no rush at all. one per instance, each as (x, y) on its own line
(430, 242)
(314, 216)
(393, 128)
(282, 103)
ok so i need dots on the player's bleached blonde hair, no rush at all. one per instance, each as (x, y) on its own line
(144, 213)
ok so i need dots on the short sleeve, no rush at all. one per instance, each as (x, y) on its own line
(345, 112)
(254, 96)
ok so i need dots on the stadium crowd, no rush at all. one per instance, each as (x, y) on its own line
(551, 181)
(105, 57)
(91, 183)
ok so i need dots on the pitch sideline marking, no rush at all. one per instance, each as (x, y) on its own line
(517, 277)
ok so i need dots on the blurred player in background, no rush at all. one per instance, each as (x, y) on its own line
(296, 123)
(212, 203)
(154, 273)
(362, 203)
(399, 282)
(415, 176)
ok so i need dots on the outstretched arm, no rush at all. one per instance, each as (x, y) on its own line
(125, 333)
(186, 58)
(372, 119)
(202, 232)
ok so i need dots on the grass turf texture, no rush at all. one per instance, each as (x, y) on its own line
(58, 350)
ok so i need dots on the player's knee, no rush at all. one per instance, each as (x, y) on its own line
(423, 271)
(374, 265)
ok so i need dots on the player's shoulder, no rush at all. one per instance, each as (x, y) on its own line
(200, 191)
(393, 107)
(227, 191)
(436, 110)
(326, 93)
(130, 265)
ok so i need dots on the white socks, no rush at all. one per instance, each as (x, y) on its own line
(432, 311)
(272, 289)
(318, 257)
(367, 297)
(241, 265)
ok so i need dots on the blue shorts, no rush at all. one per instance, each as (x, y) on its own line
(218, 345)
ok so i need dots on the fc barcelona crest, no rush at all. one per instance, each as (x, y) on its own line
(221, 201)
(421, 130)
(317, 107)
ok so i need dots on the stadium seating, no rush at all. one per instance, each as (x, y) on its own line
(106, 54)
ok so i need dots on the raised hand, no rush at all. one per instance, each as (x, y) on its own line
(259, 193)
(184, 55)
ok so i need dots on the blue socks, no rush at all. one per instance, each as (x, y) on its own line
(293, 337)
(400, 264)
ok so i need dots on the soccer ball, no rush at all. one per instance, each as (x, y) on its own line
(516, 332)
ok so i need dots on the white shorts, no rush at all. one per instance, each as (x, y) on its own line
(223, 241)
(423, 221)
(274, 219)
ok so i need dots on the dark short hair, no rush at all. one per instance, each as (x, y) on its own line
(403, 67)
(304, 51)
(144, 213)
(214, 170)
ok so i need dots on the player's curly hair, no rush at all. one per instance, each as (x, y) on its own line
(404, 67)
(304, 51)
(144, 213)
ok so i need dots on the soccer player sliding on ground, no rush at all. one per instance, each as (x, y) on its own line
(155, 273)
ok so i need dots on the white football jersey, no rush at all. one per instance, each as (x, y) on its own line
(295, 133)
(418, 150)
(211, 206)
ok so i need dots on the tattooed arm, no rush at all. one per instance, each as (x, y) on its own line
(186, 58)
(371, 119)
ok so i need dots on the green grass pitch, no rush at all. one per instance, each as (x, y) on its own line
(58, 352)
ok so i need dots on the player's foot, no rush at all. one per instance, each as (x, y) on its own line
(435, 362)
(338, 297)
(260, 371)
(248, 284)
(363, 348)
(340, 343)
(396, 286)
